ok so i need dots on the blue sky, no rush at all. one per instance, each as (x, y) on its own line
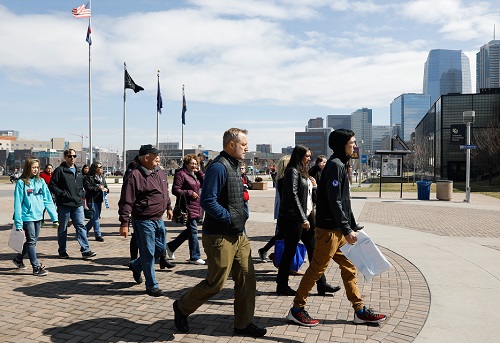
(267, 66)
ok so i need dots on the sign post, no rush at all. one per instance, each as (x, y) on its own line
(468, 120)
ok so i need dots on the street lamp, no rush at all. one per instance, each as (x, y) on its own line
(468, 120)
(360, 172)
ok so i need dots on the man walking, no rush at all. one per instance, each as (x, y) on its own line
(67, 186)
(335, 226)
(144, 197)
(226, 246)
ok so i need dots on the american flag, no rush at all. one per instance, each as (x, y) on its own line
(82, 11)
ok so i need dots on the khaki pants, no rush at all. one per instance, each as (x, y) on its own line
(328, 243)
(226, 255)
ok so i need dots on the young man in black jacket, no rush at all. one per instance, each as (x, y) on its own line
(67, 186)
(335, 226)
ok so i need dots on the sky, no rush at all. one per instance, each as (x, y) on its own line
(263, 65)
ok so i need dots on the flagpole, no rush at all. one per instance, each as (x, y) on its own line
(182, 124)
(90, 101)
(157, 114)
(124, 117)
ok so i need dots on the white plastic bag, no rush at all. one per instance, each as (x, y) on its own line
(366, 256)
(16, 239)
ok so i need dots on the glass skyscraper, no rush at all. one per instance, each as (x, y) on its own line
(361, 124)
(446, 72)
(407, 110)
(487, 66)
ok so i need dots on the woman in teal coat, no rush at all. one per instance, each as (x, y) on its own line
(31, 197)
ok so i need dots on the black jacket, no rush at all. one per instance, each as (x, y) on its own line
(67, 187)
(293, 192)
(333, 206)
(93, 191)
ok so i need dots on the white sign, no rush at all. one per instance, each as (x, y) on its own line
(391, 166)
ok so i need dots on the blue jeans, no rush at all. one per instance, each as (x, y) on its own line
(151, 241)
(31, 231)
(95, 221)
(191, 234)
(64, 213)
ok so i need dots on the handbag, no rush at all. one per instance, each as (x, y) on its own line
(366, 256)
(180, 214)
(16, 239)
(88, 212)
(298, 258)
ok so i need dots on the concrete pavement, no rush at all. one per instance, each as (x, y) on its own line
(444, 285)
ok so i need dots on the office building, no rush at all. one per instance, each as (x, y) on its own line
(381, 135)
(315, 139)
(361, 124)
(338, 121)
(487, 66)
(264, 148)
(446, 72)
(315, 123)
(407, 110)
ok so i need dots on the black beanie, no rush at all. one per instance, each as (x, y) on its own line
(338, 140)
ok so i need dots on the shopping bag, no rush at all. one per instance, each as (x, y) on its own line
(16, 239)
(366, 256)
(298, 258)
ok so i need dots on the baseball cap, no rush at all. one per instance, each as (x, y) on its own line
(148, 149)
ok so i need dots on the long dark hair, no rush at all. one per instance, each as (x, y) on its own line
(296, 160)
(93, 168)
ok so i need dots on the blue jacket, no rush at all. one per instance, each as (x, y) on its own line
(30, 201)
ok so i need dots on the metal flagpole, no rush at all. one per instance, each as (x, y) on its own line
(157, 116)
(124, 116)
(90, 99)
(182, 124)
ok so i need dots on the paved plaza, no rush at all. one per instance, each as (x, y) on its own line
(444, 284)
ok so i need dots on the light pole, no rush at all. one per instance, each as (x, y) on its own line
(83, 159)
(468, 120)
(360, 172)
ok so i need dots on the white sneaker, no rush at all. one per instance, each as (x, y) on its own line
(170, 254)
(198, 261)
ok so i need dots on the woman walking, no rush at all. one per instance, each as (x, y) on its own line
(186, 187)
(95, 186)
(31, 197)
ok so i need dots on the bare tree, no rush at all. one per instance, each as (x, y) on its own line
(488, 146)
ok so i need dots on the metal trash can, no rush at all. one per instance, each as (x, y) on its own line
(444, 189)
(424, 190)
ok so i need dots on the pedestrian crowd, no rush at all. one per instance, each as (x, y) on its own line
(311, 205)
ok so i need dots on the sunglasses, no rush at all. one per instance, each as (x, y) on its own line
(99, 167)
(71, 156)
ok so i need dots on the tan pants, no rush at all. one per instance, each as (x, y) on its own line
(226, 255)
(328, 243)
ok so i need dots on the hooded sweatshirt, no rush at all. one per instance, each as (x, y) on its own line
(333, 207)
(30, 200)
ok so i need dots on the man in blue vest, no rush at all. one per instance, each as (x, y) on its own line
(226, 246)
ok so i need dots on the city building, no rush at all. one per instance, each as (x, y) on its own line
(169, 146)
(315, 123)
(338, 121)
(264, 148)
(439, 150)
(9, 133)
(381, 135)
(361, 124)
(446, 72)
(407, 110)
(487, 66)
(315, 139)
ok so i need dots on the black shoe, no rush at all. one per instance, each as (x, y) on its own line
(136, 275)
(166, 263)
(327, 288)
(287, 290)
(63, 254)
(180, 320)
(251, 330)
(155, 292)
(99, 239)
(88, 254)
(39, 271)
(19, 264)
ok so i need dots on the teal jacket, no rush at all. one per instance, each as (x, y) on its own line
(30, 201)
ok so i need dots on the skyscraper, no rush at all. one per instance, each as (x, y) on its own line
(361, 124)
(487, 66)
(445, 72)
(338, 121)
(406, 112)
(315, 123)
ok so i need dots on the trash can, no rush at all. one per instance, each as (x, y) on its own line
(424, 190)
(444, 189)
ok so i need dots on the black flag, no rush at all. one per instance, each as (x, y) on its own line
(129, 83)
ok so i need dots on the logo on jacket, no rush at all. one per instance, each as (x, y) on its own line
(335, 183)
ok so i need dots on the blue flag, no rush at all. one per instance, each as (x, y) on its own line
(159, 101)
(184, 109)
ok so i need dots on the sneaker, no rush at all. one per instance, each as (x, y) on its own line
(99, 239)
(136, 275)
(368, 316)
(40, 271)
(301, 317)
(263, 255)
(155, 292)
(88, 254)
(19, 264)
(170, 254)
(180, 320)
(251, 330)
(63, 254)
(198, 261)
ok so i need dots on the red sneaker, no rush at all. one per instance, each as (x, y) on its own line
(368, 316)
(301, 317)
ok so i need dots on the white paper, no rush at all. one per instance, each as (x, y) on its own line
(16, 239)
(366, 256)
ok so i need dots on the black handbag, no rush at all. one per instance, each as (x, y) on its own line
(88, 213)
(180, 213)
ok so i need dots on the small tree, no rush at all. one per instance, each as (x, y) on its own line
(488, 146)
